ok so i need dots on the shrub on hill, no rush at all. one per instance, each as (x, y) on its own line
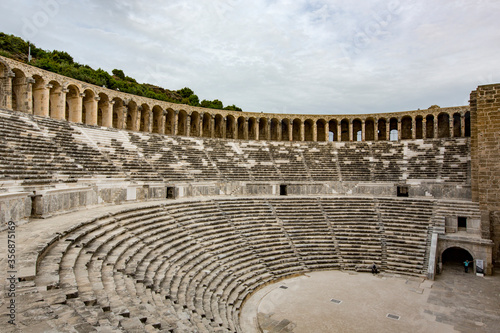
(61, 62)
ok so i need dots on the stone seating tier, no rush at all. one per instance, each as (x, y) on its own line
(46, 151)
(190, 265)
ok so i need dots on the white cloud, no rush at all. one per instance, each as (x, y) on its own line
(307, 56)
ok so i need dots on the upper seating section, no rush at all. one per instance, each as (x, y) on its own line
(40, 149)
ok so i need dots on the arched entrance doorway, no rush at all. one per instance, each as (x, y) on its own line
(454, 258)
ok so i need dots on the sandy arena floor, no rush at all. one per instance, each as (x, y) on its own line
(454, 302)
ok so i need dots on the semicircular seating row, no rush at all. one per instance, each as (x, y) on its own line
(189, 266)
(37, 150)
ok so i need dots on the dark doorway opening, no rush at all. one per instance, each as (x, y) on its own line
(283, 189)
(454, 258)
(403, 191)
(170, 192)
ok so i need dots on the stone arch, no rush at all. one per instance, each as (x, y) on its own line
(73, 107)
(252, 135)
(241, 127)
(357, 130)
(182, 123)
(419, 133)
(297, 124)
(118, 113)
(231, 127)
(406, 128)
(20, 91)
(56, 101)
(344, 130)
(443, 125)
(467, 124)
(457, 125)
(194, 129)
(145, 118)
(104, 111)
(393, 129)
(321, 130)
(455, 255)
(332, 130)
(308, 130)
(89, 107)
(263, 128)
(275, 129)
(157, 120)
(429, 126)
(169, 122)
(382, 129)
(132, 116)
(207, 125)
(285, 130)
(369, 129)
(219, 126)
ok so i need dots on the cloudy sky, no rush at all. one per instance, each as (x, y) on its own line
(282, 56)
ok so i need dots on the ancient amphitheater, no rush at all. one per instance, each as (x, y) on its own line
(130, 214)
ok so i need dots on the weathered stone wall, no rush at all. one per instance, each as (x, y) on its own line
(485, 155)
(14, 207)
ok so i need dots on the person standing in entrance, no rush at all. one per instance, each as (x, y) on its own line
(466, 265)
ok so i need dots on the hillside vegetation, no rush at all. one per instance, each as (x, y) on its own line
(61, 62)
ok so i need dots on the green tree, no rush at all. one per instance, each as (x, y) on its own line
(193, 100)
(185, 92)
(119, 74)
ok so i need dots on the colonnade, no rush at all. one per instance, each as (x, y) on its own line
(28, 89)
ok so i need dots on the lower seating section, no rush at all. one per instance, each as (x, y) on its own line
(41, 150)
(188, 266)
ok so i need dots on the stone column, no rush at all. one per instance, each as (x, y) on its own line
(413, 128)
(315, 131)
(256, 129)
(279, 128)
(188, 125)
(77, 106)
(200, 125)
(363, 130)
(175, 124)
(327, 132)
(29, 94)
(41, 103)
(399, 129)
(245, 129)
(268, 129)
(150, 120)
(123, 123)
(6, 100)
(107, 115)
(462, 125)
(91, 111)
(224, 127)
(424, 128)
(451, 127)
(375, 130)
(161, 125)
(339, 131)
(435, 127)
(59, 104)
(302, 131)
(388, 130)
(290, 131)
(212, 126)
(351, 130)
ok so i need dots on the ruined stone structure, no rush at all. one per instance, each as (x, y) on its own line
(35, 91)
(197, 208)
